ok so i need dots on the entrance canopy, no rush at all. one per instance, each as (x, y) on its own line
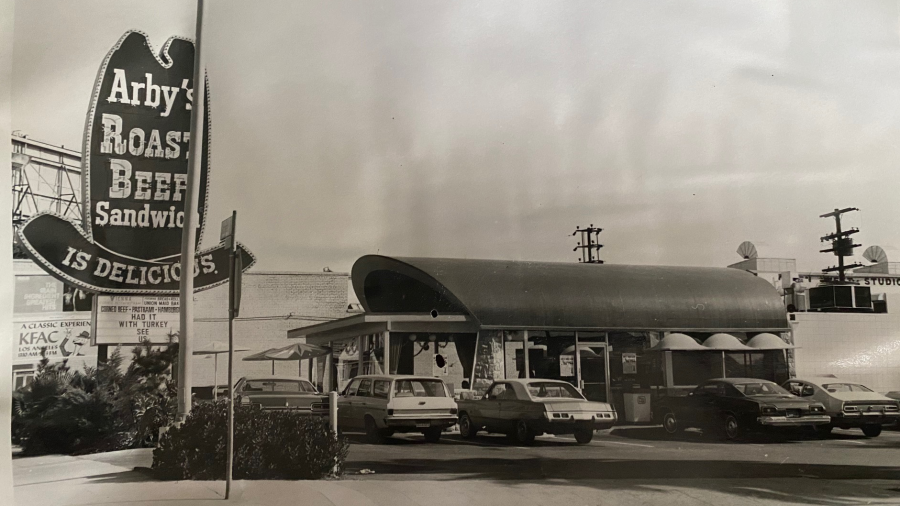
(501, 294)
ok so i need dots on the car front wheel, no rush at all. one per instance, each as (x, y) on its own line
(731, 428)
(871, 430)
(670, 423)
(584, 436)
(466, 429)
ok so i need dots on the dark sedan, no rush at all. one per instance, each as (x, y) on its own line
(278, 392)
(730, 407)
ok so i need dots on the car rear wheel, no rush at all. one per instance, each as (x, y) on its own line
(731, 429)
(373, 434)
(824, 430)
(670, 423)
(522, 433)
(432, 435)
(466, 429)
(584, 436)
(871, 430)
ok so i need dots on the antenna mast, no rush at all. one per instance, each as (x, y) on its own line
(589, 244)
(841, 244)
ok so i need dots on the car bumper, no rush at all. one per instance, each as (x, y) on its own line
(576, 421)
(783, 421)
(860, 419)
(423, 422)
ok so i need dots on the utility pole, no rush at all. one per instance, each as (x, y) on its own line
(589, 244)
(189, 232)
(841, 243)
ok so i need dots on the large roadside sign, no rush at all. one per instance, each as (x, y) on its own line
(136, 146)
(135, 319)
(59, 335)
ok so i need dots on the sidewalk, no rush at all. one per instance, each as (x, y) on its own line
(111, 479)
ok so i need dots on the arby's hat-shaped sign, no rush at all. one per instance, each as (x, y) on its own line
(134, 174)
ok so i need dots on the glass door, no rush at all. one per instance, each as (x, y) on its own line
(593, 374)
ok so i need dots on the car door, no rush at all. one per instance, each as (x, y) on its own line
(345, 405)
(516, 405)
(359, 403)
(490, 406)
(700, 404)
(376, 402)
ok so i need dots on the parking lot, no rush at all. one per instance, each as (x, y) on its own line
(644, 456)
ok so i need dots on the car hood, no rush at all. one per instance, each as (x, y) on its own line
(858, 396)
(574, 405)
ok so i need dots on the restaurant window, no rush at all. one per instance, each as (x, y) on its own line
(695, 367)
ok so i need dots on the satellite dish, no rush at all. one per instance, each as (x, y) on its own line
(875, 254)
(747, 250)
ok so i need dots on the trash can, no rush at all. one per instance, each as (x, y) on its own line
(637, 407)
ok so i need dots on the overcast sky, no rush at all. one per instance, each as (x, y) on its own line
(491, 129)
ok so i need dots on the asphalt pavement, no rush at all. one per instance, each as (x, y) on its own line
(625, 465)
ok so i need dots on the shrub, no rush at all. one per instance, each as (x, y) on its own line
(273, 445)
(97, 409)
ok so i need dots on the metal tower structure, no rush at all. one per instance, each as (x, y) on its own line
(841, 244)
(589, 244)
(45, 178)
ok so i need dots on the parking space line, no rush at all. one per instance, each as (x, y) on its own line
(850, 441)
(629, 444)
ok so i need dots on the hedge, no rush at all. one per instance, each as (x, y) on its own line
(268, 445)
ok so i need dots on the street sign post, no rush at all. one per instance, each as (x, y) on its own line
(234, 303)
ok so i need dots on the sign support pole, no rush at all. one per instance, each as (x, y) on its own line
(189, 232)
(234, 281)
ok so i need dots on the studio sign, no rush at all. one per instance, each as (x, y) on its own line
(136, 146)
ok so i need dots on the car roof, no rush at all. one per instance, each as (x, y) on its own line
(277, 378)
(525, 381)
(738, 381)
(824, 380)
(394, 376)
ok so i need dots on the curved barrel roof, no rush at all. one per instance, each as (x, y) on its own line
(546, 295)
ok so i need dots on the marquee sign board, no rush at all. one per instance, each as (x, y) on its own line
(136, 319)
(136, 145)
(60, 335)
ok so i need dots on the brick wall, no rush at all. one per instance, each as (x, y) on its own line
(272, 304)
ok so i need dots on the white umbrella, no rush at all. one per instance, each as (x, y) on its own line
(214, 348)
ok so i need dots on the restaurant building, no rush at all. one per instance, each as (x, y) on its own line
(611, 330)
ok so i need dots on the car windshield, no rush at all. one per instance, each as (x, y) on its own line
(759, 389)
(845, 387)
(547, 389)
(278, 386)
(419, 388)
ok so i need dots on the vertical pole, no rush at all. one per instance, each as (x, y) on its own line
(577, 365)
(723, 363)
(328, 373)
(475, 362)
(503, 348)
(231, 304)
(215, 376)
(189, 232)
(387, 352)
(525, 352)
(606, 367)
(360, 342)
